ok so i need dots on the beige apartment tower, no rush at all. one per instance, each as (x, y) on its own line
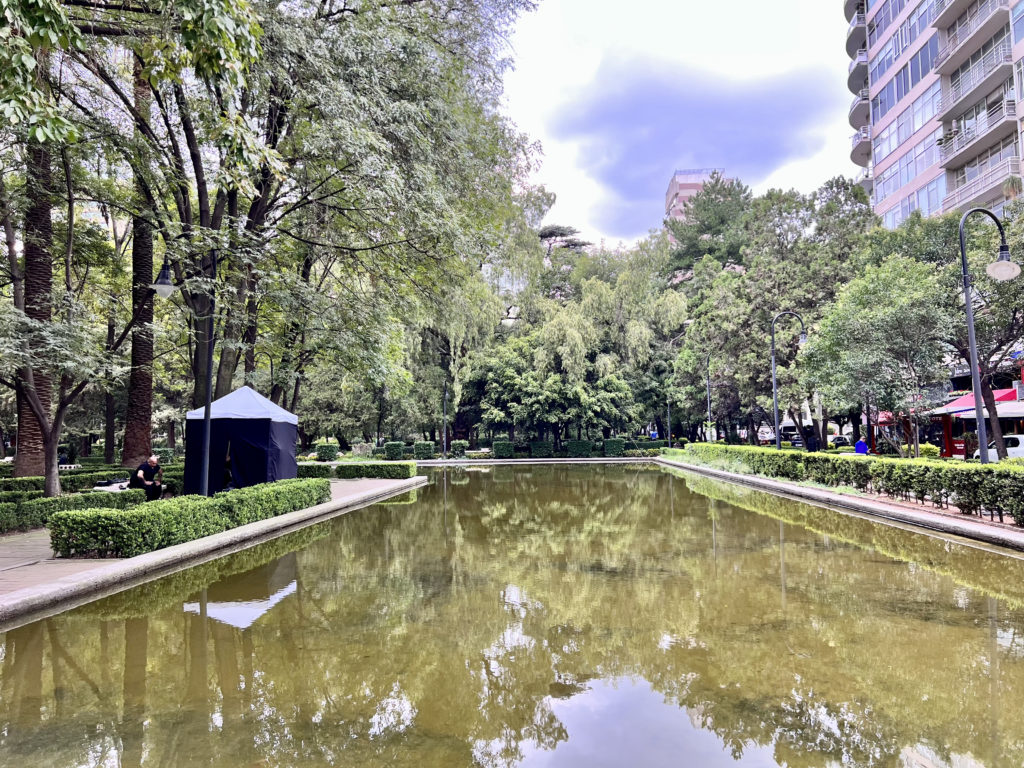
(935, 86)
(682, 186)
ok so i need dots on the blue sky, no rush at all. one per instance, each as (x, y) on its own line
(621, 95)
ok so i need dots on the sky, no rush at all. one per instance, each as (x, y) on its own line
(620, 94)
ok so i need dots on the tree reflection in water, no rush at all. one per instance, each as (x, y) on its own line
(537, 616)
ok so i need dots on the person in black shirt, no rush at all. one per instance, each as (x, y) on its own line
(149, 476)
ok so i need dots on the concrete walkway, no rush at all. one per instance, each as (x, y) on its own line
(34, 584)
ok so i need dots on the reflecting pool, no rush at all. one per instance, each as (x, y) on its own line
(543, 616)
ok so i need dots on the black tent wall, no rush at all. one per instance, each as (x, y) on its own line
(261, 451)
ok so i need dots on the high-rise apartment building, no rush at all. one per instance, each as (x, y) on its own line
(682, 186)
(935, 86)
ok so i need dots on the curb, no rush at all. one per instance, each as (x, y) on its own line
(521, 462)
(33, 603)
(966, 528)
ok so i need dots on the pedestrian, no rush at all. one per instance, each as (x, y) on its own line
(812, 442)
(861, 447)
(149, 476)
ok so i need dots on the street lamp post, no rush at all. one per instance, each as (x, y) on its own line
(775, 386)
(1002, 269)
(707, 366)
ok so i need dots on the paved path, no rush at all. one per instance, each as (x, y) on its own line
(32, 580)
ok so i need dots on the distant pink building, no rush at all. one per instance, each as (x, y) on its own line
(684, 185)
(936, 85)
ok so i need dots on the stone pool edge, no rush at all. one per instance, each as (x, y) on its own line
(38, 602)
(967, 528)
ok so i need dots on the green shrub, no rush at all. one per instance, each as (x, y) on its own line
(401, 470)
(166, 455)
(424, 450)
(147, 527)
(16, 497)
(502, 449)
(393, 451)
(477, 455)
(34, 513)
(315, 470)
(326, 452)
(642, 453)
(846, 449)
(542, 449)
(929, 451)
(22, 484)
(459, 448)
(614, 446)
(379, 451)
(578, 449)
(654, 444)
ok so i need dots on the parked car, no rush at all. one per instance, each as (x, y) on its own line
(839, 440)
(1014, 448)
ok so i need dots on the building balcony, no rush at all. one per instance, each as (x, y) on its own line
(857, 35)
(852, 7)
(984, 189)
(861, 150)
(997, 125)
(860, 110)
(858, 77)
(866, 181)
(996, 66)
(948, 11)
(992, 15)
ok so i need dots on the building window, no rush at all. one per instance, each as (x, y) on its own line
(1018, 22)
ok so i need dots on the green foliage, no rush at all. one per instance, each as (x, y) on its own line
(400, 470)
(424, 450)
(315, 470)
(159, 524)
(614, 446)
(379, 451)
(929, 451)
(642, 453)
(579, 449)
(458, 448)
(502, 449)
(542, 449)
(971, 487)
(326, 452)
(393, 450)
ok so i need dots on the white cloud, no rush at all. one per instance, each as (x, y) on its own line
(560, 49)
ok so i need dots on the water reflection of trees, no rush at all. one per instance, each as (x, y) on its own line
(439, 633)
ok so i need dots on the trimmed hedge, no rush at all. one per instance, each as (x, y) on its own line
(502, 449)
(148, 527)
(643, 453)
(379, 451)
(16, 497)
(35, 512)
(398, 470)
(423, 450)
(315, 470)
(459, 448)
(21, 484)
(542, 449)
(579, 449)
(326, 452)
(393, 451)
(973, 488)
(614, 446)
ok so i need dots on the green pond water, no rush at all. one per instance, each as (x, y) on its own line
(543, 616)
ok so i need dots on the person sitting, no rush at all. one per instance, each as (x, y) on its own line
(861, 447)
(149, 476)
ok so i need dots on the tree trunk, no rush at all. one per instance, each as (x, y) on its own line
(31, 458)
(995, 431)
(171, 437)
(138, 420)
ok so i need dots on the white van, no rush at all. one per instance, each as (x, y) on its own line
(1014, 448)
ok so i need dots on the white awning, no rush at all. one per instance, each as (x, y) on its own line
(245, 403)
(242, 614)
(1013, 409)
